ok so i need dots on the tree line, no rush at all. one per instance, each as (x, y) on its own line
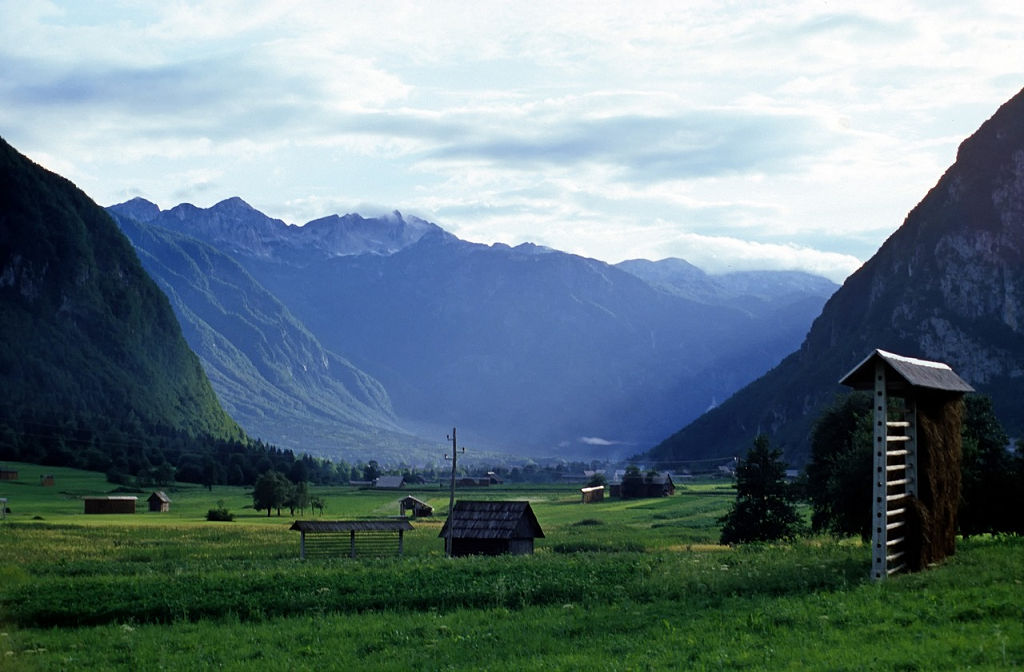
(837, 481)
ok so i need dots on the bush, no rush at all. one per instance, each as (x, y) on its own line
(220, 514)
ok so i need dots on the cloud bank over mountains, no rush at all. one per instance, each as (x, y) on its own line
(789, 135)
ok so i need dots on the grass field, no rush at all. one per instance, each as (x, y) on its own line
(614, 585)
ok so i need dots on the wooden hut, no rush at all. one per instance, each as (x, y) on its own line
(159, 502)
(46, 480)
(492, 528)
(351, 538)
(8, 474)
(917, 412)
(419, 508)
(120, 504)
(659, 485)
(592, 494)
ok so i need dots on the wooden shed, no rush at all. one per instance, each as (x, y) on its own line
(119, 504)
(492, 528)
(8, 474)
(917, 412)
(159, 502)
(592, 494)
(47, 480)
(351, 538)
(419, 508)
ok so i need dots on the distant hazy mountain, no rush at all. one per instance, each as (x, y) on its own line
(525, 348)
(270, 373)
(946, 286)
(88, 342)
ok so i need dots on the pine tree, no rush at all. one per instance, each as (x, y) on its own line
(765, 508)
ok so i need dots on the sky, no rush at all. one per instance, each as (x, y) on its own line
(738, 136)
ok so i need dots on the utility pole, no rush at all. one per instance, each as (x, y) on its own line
(451, 498)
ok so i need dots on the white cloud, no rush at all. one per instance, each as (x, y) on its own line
(781, 135)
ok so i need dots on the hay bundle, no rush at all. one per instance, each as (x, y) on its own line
(932, 520)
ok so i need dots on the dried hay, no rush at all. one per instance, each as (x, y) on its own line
(931, 534)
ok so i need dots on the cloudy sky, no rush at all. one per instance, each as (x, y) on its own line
(734, 135)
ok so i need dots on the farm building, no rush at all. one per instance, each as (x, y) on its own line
(917, 413)
(419, 508)
(492, 528)
(8, 474)
(110, 504)
(592, 494)
(653, 485)
(351, 538)
(46, 480)
(159, 502)
(389, 482)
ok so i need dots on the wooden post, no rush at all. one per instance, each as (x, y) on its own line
(401, 546)
(878, 501)
(352, 544)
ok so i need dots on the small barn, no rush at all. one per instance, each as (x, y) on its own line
(592, 494)
(351, 538)
(917, 413)
(159, 502)
(8, 474)
(47, 480)
(419, 508)
(492, 528)
(120, 504)
(659, 485)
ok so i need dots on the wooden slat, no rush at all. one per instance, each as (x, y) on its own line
(893, 542)
(898, 481)
(898, 423)
(897, 439)
(896, 453)
(897, 524)
(893, 498)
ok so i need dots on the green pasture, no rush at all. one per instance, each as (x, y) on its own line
(637, 585)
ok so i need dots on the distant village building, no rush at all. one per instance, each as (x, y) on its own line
(8, 474)
(159, 502)
(419, 508)
(492, 528)
(110, 504)
(46, 480)
(389, 482)
(351, 538)
(592, 494)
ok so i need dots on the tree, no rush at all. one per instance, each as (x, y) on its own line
(765, 508)
(838, 477)
(990, 495)
(298, 497)
(632, 483)
(597, 480)
(271, 491)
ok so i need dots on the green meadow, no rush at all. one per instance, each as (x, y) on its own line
(637, 585)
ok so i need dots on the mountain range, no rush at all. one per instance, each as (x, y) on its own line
(528, 350)
(948, 285)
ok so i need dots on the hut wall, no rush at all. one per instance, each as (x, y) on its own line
(461, 547)
(8, 475)
(110, 506)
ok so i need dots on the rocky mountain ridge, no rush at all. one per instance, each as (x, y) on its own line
(948, 285)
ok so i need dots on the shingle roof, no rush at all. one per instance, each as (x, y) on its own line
(390, 525)
(912, 372)
(161, 495)
(491, 520)
(389, 482)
